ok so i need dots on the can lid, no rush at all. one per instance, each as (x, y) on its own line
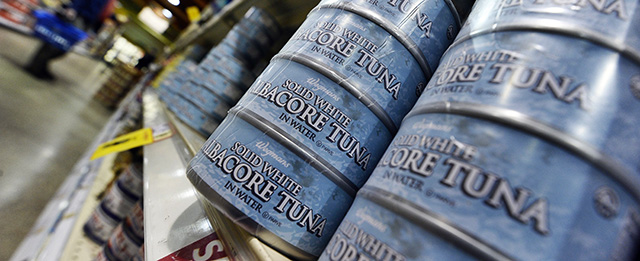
(528, 124)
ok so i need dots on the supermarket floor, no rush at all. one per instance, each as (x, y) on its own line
(46, 127)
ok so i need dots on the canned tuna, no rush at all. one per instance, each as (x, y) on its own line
(131, 180)
(321, 117)
(119, 200)
(256, 33)
(612, 23)
(285, 199)
(583, 94)
(230, 67)
(191, 114)
(237, 44)
(261, 18)
(207, 100)
(425, 27)
(501, 192)
(371, 231)
(122, 244)
(371, 64)
(100, 224)
(218, 84)
(134, 221)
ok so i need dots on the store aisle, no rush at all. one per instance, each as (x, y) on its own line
(46, 127)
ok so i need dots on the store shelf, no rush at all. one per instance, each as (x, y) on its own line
(172, 200)
(80, 247)
(288, 13)
(174, 219)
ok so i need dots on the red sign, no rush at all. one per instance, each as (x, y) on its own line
(207, 248)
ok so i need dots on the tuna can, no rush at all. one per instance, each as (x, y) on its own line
(237, 44)
(256, 33)
(425, 27)
(105, 255)
(122, 244)
(321, 117)
(140, 255)
(500, 192)
(611, 23)
(192, 115)
(207, 100)
(100, 224)
(259, 180)
(230, 67)
(220, 85)
(119, 200)
(131, 180)
(371, 231)
(260, 17)
(584, 95)
(363, 57)
(134, 221)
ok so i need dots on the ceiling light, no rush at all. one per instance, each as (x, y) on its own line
(167, 13)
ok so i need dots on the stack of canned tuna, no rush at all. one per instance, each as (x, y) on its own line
(119, 213)
(200, 95)
(182, 106)
(524, 144)
(288, 162)
(127, 239)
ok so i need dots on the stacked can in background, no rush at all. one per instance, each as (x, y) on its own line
(524, 144)
(289, 160)
(127, 239)
(118, 201)
(200, 95)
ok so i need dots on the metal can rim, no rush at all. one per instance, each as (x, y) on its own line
(528, 124)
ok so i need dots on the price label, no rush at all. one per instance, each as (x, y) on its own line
(133, 139)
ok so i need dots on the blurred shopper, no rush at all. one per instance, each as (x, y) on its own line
(85, 15)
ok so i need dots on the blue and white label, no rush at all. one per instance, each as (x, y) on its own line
(321, 115)
(364, 54)
(615, 21)
(515, 192)
(570, 84)
(270, 185)
(430, 24)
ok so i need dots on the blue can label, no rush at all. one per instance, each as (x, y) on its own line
(372, 232)
(320, 115)
(270, 185)
(365, 54)
(204, 98)
(230, 67)
(256, 33)
(261, 18)
(522, 195)
(615, 21)
(593, 97)
(430, 24)
(237, 44)
(218, 84)
(190, 114)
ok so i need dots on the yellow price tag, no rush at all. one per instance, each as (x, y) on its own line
(193, 13)
(121, 143)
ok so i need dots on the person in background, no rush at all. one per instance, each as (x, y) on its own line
(146, 60)
(85, 15)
